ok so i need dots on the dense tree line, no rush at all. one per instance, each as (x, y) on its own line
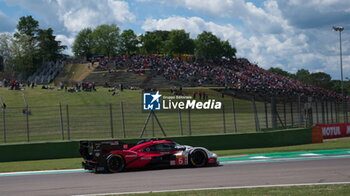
(319, 79)
(25, 50)
(108, 40)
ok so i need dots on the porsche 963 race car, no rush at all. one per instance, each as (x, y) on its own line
(115, 156)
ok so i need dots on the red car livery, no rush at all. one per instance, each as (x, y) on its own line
(115, 156)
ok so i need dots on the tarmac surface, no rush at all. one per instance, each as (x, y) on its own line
(231, 175)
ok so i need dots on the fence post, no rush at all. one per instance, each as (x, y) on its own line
(111, 119)
(68, 125)
(291, 113)
(123, 120)
(189, 122)
(234, 115)
(4, 123)
(256, 118)
(332, 112)
(180, 122)
(61, 121)
(327, 112)
(322, 110)
(299, 111)
(223, 117)
(284, 113)
(27, 120)
(266, 117)
(273, 112)
(346, 108)
(336, 112)
(316, 107)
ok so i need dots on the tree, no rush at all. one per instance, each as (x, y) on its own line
(154, 42)
(27, 25)
(279, 71)
(208, 45)
(23, 54)
(302, 75)
(106, 40)
(128, 42)
(227, 49)
(32, 45)
(179, 42)
(5, 51)
(320, 79)
(336, 86)
(83, 44)
(347, 87)
(49, 48)
(25, 46)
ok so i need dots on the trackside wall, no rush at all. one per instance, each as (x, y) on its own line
(56, 150)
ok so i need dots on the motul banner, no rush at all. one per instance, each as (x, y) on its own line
(335, 130)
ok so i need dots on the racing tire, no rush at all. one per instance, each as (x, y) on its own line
(198, 158)
(115, 163)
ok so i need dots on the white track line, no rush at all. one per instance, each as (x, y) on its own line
(42, 172)
(218, 188)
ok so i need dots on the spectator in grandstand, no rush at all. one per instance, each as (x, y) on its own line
(236, 73)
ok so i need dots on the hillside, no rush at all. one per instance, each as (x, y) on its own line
(73, 73)
(129, 79)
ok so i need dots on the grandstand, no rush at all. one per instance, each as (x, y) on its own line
(237, 75)
(47, 72)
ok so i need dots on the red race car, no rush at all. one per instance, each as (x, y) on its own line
(115, 156)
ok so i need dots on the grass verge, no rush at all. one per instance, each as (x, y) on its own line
(74, 163)
(342, 143)
(52, 164)
(319, 190)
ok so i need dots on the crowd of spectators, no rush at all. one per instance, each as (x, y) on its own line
(237, 74)
(108, 63)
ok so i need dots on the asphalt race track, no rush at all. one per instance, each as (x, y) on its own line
(245, 174)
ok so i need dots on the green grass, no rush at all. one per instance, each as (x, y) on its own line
(89, 115)
(53, 164)
(43, 97)
(343, 143)
(76, 162)
(317, 190)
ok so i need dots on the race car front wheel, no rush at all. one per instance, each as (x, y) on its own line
(115, 163)
(198, 158)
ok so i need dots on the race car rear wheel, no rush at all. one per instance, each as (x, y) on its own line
(198, 158)
(115, 163)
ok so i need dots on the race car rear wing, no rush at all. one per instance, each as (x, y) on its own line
(91, 149)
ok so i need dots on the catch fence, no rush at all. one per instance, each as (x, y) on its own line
(123, 120)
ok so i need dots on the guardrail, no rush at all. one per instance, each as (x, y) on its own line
(69, 149)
